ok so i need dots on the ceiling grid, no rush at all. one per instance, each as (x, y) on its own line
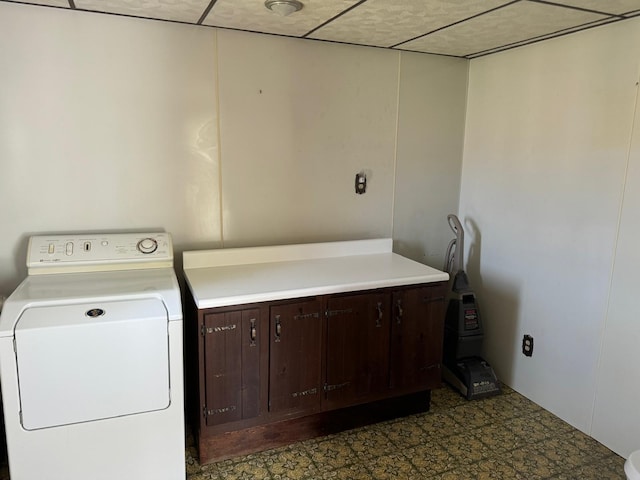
(459, 28)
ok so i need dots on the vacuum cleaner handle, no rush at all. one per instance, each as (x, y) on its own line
(456, 226)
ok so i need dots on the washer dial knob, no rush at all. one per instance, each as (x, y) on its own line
(147, 245)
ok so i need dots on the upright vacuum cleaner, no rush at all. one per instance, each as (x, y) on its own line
(464, 368)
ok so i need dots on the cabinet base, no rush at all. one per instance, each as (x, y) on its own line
(223, 446)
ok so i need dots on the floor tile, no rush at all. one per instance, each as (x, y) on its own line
(551, 422)
(491, 469)
(528, 429)
(432, 459)
(332, 453)
(291, 464)
(445, 398)
(351, 472)
(420, 430)
(530, 463)
(505, 437)
(440, 424)
(610, 468)
(370, 442)
(502, 407)
(589, 447)
(494, 468)
(466, 447)
(242, 470)
(470, 416)
(391, 467)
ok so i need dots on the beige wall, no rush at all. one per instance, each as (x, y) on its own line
(546, 150)
(616, 416)
(298, 120)
(219, 137)
(432, 104)
(106, 123)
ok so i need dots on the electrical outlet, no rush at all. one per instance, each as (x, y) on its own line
(527, 345)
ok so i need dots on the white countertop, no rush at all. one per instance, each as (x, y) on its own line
(239, 276)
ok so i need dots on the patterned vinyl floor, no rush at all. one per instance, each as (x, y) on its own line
(502, 437)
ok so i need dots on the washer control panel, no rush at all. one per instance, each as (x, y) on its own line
(97, 252)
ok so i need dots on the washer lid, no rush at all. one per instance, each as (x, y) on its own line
(91, 361)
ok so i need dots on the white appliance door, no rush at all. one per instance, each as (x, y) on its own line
(92, 361)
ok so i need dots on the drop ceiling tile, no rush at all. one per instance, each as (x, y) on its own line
(543, 37)
(385, 23)
(614, 7)
(514, 23)
(49, 3)
(177, 10)
(253, 16)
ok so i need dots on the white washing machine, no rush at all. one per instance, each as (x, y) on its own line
(91, 361)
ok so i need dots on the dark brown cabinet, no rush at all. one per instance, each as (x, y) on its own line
(417, 331)
(357, 353)
(275, 372)
(295, 357)
(231, 366)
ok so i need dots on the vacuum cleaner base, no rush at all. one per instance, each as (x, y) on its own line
(473, 377)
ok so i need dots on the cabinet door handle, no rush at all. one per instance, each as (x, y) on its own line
(379, 319)
(278, 328)
(399, 311)
(253, 332)
(303, 316)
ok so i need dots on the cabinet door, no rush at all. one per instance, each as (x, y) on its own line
(232, 366)
(295, 357)
(416, 338)
(357, 365)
